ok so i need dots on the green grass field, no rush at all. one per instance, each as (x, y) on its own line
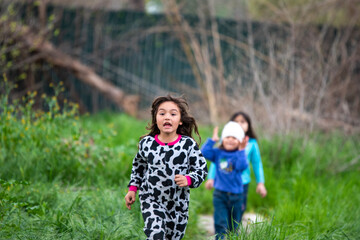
(65, 177)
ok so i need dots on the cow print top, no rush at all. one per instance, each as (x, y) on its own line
(155, 166)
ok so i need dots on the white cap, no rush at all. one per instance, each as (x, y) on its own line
(233, 129)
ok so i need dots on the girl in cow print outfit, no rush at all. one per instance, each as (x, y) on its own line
(167, 164)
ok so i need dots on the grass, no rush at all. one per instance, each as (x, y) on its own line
(64, 177)
(312, 192)
(50, 211)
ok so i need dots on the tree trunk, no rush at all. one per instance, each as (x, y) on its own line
(49, 53)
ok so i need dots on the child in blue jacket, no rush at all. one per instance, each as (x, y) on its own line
(253, 156)
(230, 161)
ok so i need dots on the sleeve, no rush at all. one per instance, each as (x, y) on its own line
(212, 171)
(139, 167)
(197, 166)
(256, 163)
(208, 151)
(240, 163)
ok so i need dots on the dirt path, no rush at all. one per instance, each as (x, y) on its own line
(206, 222)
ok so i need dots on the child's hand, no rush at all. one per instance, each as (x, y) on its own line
(181, 180)
(215, 136)
(209, 184)
(243, 143)
(261, 190)
(130, 199)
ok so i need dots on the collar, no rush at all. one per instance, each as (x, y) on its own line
(170, 143)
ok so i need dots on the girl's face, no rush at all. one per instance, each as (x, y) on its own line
(168, 118)
(230, 143)
(243, 123)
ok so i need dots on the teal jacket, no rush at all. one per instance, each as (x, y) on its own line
(253, 156)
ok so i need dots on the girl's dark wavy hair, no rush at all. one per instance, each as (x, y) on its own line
(250, 132)
(188, 122)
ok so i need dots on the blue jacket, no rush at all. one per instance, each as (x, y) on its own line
(253, 156)
(229, 166)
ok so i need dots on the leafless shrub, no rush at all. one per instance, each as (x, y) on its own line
(302, 77)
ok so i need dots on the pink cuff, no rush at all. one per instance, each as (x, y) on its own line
(133, 188)
(188, 180)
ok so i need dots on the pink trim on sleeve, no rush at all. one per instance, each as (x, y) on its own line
(188, 180)
(133, 188)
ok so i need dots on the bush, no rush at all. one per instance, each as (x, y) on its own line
(53, 145)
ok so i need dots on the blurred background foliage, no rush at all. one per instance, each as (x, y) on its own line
(66, 148)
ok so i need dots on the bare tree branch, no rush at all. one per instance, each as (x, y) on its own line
(49, 53)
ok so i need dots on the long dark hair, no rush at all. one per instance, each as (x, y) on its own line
(188, 122)
(250, 132)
